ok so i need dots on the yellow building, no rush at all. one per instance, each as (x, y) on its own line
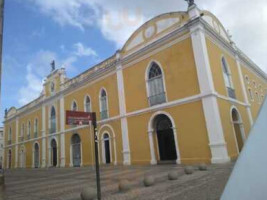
(178, 91)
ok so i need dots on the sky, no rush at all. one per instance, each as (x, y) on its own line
(78, 34)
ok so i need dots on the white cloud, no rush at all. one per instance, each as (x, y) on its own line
(39, 67)
(81, 50)
(119, 18)
(32, 89)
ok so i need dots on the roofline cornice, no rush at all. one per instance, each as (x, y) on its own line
(112, 66)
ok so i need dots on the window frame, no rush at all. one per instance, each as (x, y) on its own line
(90, 105)
(150, 64)
(250, 93)
(100, 103)
(50, 120)
(228, 73)
(72, 105)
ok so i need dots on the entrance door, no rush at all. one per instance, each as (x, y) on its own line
(36, 155)
(22, 159)
(237, 127)
(54, 153)
(107, 148)
(76, 150)
(9, 159)
(165, 136)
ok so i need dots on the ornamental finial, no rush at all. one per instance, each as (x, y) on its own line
(190, 2)
(53, 65)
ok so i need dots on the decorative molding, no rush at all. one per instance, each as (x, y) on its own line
(122, 107)
(210, 104)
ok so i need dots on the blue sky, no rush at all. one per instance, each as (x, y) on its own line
(81, 33)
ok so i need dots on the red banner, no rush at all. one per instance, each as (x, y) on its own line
(78, 118)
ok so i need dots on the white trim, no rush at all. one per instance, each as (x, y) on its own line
(50, 164)
(84, 102)
(229, 73)
(22, 160)
(8, 159)
(103, 149)
(17, 137)
(170, 104)
(244, 91)
(210, 105)
(151, 142)
(62, 129)
(251, 95)
(240, 122)
(33, 154)
(44, 136)
(34, 123)
(107, 102)
(147, 79)
(123, 111)
(113, 138)
(72, 105)
(71, 150)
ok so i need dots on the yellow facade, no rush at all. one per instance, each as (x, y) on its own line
(173, 93)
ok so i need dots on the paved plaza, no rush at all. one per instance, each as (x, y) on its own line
(67, 183)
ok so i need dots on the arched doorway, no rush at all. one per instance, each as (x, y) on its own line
(22, 157)
(54, 153)
(36, 155)
(9, 159)
(165, 138)
(106, 150)
(238, 129)
(76, 150)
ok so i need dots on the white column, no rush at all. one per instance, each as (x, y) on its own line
(62, 130)
(122, 105)
(44, 136)
(4, 147)
(244, 90)
(152, 151)
(17, 140)
(210, 105)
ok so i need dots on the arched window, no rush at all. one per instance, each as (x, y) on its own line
(35, 129)
(258, 97)
(29, 130)
(22, 132)
(247, 79)
(52, 87)
(9, 135)
(250, 94)
(53, 120)
(228, 79)
(103, 104)
(87, 104)
(156, 92)
(74, 106)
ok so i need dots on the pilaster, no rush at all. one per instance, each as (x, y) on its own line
(62, 130)
(210, 105)
(122, 106)
(17, 140)
(244, 91)
(44, 136)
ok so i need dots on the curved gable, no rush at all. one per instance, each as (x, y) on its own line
(12, 111)
(216, 25)
(154, 29)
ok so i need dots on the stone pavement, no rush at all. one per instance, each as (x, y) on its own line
(67, 183)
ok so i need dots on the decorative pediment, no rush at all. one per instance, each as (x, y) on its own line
(216, 25)
(155, 29)
(12, 111)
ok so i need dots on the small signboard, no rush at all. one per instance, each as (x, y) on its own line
(78, 118)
